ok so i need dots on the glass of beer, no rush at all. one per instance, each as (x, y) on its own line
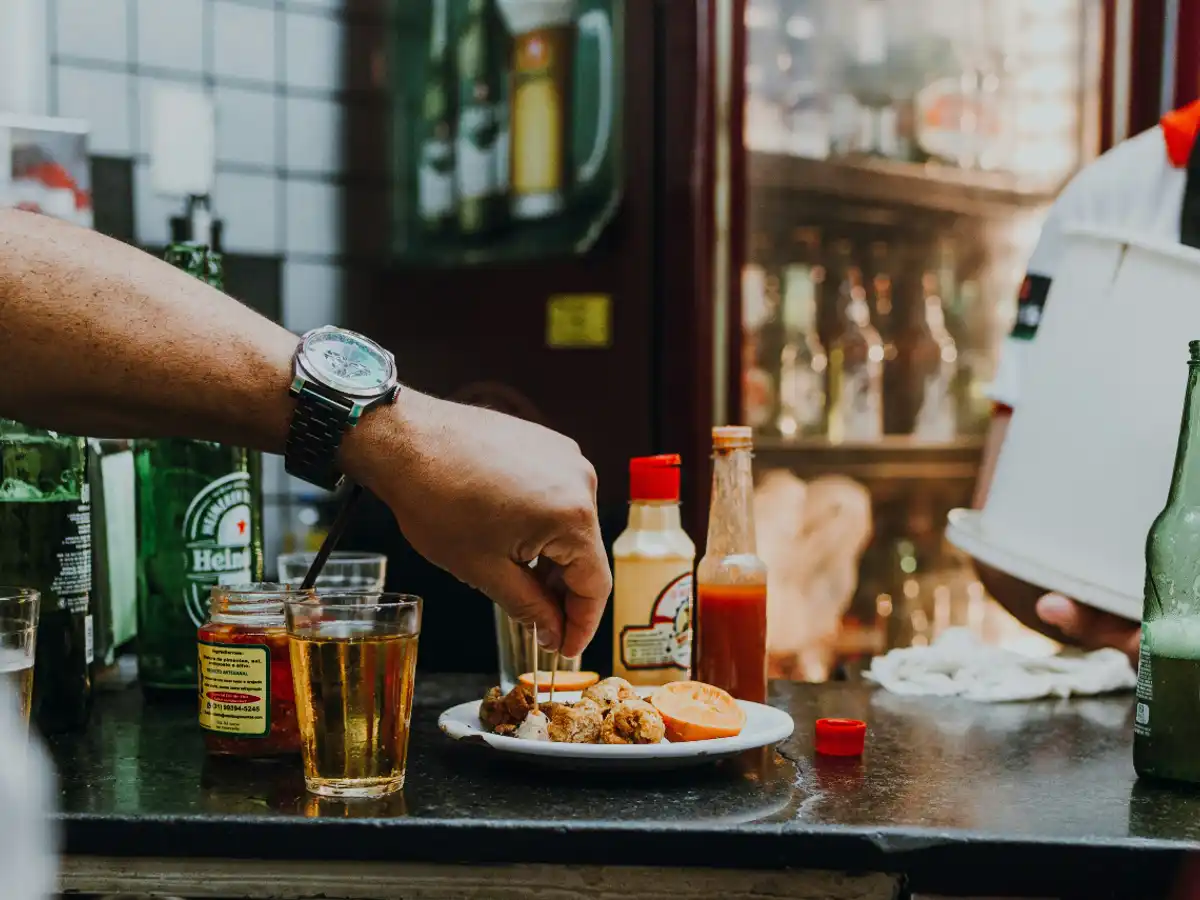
(342, 571)
(354, 659)
(18, 642)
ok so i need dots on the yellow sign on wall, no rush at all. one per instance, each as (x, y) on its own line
(579, 321)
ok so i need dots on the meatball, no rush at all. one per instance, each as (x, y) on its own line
(609, 692)
(632, 721)
(578, 724)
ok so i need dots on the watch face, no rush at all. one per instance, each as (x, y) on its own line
(348, 362)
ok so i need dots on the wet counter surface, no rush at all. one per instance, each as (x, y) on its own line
(1035, 799)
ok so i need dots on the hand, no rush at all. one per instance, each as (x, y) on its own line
(1091, 628)
(481, 495)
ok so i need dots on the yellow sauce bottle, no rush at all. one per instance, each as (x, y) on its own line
(653, 561)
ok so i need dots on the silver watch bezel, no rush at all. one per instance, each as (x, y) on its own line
(305, 373)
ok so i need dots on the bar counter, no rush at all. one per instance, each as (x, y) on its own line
(952, 798)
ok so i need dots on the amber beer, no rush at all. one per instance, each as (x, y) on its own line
(545, 36)
(353, 667)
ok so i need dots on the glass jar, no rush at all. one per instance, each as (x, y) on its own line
(247, 702)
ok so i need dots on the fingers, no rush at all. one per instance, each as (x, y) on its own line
(519, 593)
(586, 582)
(1091, 627)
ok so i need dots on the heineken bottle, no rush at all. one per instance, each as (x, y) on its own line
(199, 509)
(482, 149)
(46, 543)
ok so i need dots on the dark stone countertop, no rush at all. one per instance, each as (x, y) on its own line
(1019, 799)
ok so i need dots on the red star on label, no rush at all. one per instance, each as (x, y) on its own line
(242, 527)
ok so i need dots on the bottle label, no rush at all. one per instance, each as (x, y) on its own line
(1145, 690)
(72, 584)
(861, 408)
(435, 179)
(89, 641)
(235, 688)
(482, 167)
(665, 642)
(216, 537)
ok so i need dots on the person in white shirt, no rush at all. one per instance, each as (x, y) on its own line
(100, 339)
(1145, 185)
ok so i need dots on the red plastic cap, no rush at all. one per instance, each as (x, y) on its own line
(654, 478)
(840, 737)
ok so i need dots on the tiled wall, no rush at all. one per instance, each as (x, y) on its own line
(298, 92)
(285, 87)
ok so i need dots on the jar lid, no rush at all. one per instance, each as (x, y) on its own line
(840, 737)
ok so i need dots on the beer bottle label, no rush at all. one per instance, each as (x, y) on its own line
(665, 642)
(216, 538)
(72, 583)
(435, 178)
(1145, 690)
(482, 169)
(235, 688)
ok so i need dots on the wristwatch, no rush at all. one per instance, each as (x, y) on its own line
(337, 376)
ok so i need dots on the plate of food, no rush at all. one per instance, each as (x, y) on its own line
(612, 725)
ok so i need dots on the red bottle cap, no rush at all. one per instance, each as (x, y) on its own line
(840, 737)
(654, 478)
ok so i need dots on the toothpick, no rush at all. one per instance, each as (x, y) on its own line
(536, 681)
(553, 675)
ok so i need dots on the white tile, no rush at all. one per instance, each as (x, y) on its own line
(170, 34)
(246, 131)
(146, 88)
(103, 100)
(152, 211)
(244, 41)
(93, 29)
(315, 135)
(312, 295)
(314, 51)
(314, 218)
(248, 205)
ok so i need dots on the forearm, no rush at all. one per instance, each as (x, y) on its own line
(101, 339)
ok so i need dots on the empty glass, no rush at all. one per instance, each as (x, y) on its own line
(517, 653)
(342, 571)
(18, 642)
(354, 659)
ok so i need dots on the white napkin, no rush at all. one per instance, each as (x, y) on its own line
(958, 664)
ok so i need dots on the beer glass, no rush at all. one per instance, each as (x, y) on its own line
(342, 571)
(18, 642)
(518, 653)
(542, 102)
(354, 658)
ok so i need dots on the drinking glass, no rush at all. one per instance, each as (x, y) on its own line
(18, 642)
(342, 571)
(518, 652)
(354, 660)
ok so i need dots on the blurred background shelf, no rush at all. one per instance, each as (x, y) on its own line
(894, 458)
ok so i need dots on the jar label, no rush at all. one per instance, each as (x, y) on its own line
(665, 642)
(235, 688)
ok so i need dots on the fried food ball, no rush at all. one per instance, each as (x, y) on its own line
(609, 692)
(518, 703)
(578, 724)
(492, 711)
(632, 721)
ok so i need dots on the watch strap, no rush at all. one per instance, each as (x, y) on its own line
(318, 425)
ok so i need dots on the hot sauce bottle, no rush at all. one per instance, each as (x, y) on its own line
(731, 591)
(652, 579)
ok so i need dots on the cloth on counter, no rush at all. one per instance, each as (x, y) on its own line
(958, 664)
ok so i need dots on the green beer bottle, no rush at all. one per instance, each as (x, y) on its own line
(1166, 731)
(46, 543)
(199, 509)
(482, 149)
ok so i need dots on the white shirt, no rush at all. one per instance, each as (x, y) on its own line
(1134, 187)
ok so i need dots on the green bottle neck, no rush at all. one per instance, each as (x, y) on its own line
(1185, 481)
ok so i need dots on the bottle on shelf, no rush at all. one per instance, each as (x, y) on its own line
(199, 508)
(436, 206)
(652, 579)
(935, 365)
(731, 592)
(46, 544)
(481, 150)
(803, 362)
(760, 327)
(855, 383)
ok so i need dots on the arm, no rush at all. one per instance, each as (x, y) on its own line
(98, 338)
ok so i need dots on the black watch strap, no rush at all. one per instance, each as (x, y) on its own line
(318, 425)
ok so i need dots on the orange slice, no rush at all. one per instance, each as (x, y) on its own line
(694, 711)
(563, 681)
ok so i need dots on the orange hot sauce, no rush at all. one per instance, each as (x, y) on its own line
(731, 592)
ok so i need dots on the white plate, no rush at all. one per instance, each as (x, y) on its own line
(965, 531)
(765, 725)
